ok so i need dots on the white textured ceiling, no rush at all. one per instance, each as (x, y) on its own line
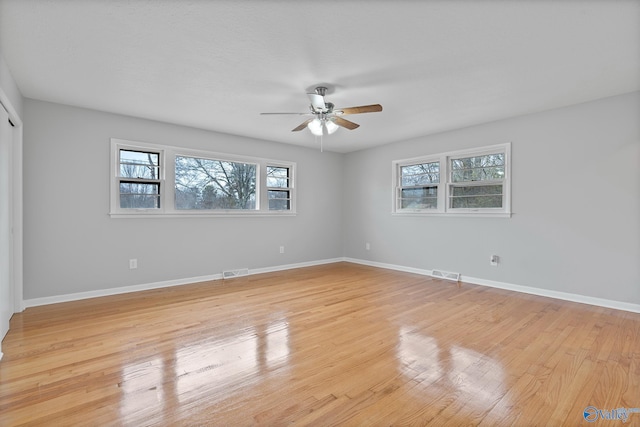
(433, 65)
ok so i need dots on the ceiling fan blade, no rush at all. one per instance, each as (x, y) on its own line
(317, 101)
(302, 125)
(344, 123)
(374, 108)
(296, 114)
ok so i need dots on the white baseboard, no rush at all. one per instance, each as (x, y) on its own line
(389, 266)
(601, 302)
(34, 302)
(566, 296)
(583, 299)
(292, 266)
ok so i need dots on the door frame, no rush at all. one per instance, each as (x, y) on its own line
(16, 216)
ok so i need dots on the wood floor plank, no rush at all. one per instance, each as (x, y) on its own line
(337, 344)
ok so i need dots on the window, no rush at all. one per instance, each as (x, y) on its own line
(419, 185)
(214, 184)
(278, 187)
(162, 180)
(462, 182)
(139, 179)
(477, 182)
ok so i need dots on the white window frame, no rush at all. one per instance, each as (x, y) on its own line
(398, 187)
(289, 188)
(167, 183)
(116, 146)
(444, 187)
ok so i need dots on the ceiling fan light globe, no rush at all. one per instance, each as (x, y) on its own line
(315, 126)
(331, 126)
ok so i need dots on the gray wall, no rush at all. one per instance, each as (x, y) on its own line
(72, 245)
(576, 204)
(575, 200)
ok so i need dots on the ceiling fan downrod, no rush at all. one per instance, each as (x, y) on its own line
(321, 90)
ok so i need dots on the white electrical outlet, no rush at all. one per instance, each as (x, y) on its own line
(494, 260)
(281, 249)
(133, 263)
(367, 246)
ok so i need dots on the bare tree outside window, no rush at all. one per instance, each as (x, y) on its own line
(214, 184)
(168, 181)
(419, 184)
(278, 191)
(139, 179)
(483, 177)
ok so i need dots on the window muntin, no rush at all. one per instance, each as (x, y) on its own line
(138, 179)
(464, 182)
(278, 188)
(202, 183)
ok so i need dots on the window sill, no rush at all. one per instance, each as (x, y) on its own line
(226, 214)
(455, 214)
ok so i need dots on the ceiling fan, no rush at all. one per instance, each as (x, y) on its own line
(326, 116)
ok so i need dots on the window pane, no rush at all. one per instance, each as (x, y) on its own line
(420, 192)
(479, 196)
(139, 164)
(279, 200)
(476, 190)
(277, 177)
(419, 198)
(139, 188)
(214, 184)
(139, 157)
(424, 173)
(278, 194)
(277, 171)
(420, 203)
(279, 205)
(138, 171)
(139, 201)
(135, 195)
(479, 168)
(277, 182)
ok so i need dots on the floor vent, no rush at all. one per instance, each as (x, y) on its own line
(235, 273)
(446, 275)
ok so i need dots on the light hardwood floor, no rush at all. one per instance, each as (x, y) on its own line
(338, 344)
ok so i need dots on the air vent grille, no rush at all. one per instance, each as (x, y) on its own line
(229, 274)
(440, 274)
